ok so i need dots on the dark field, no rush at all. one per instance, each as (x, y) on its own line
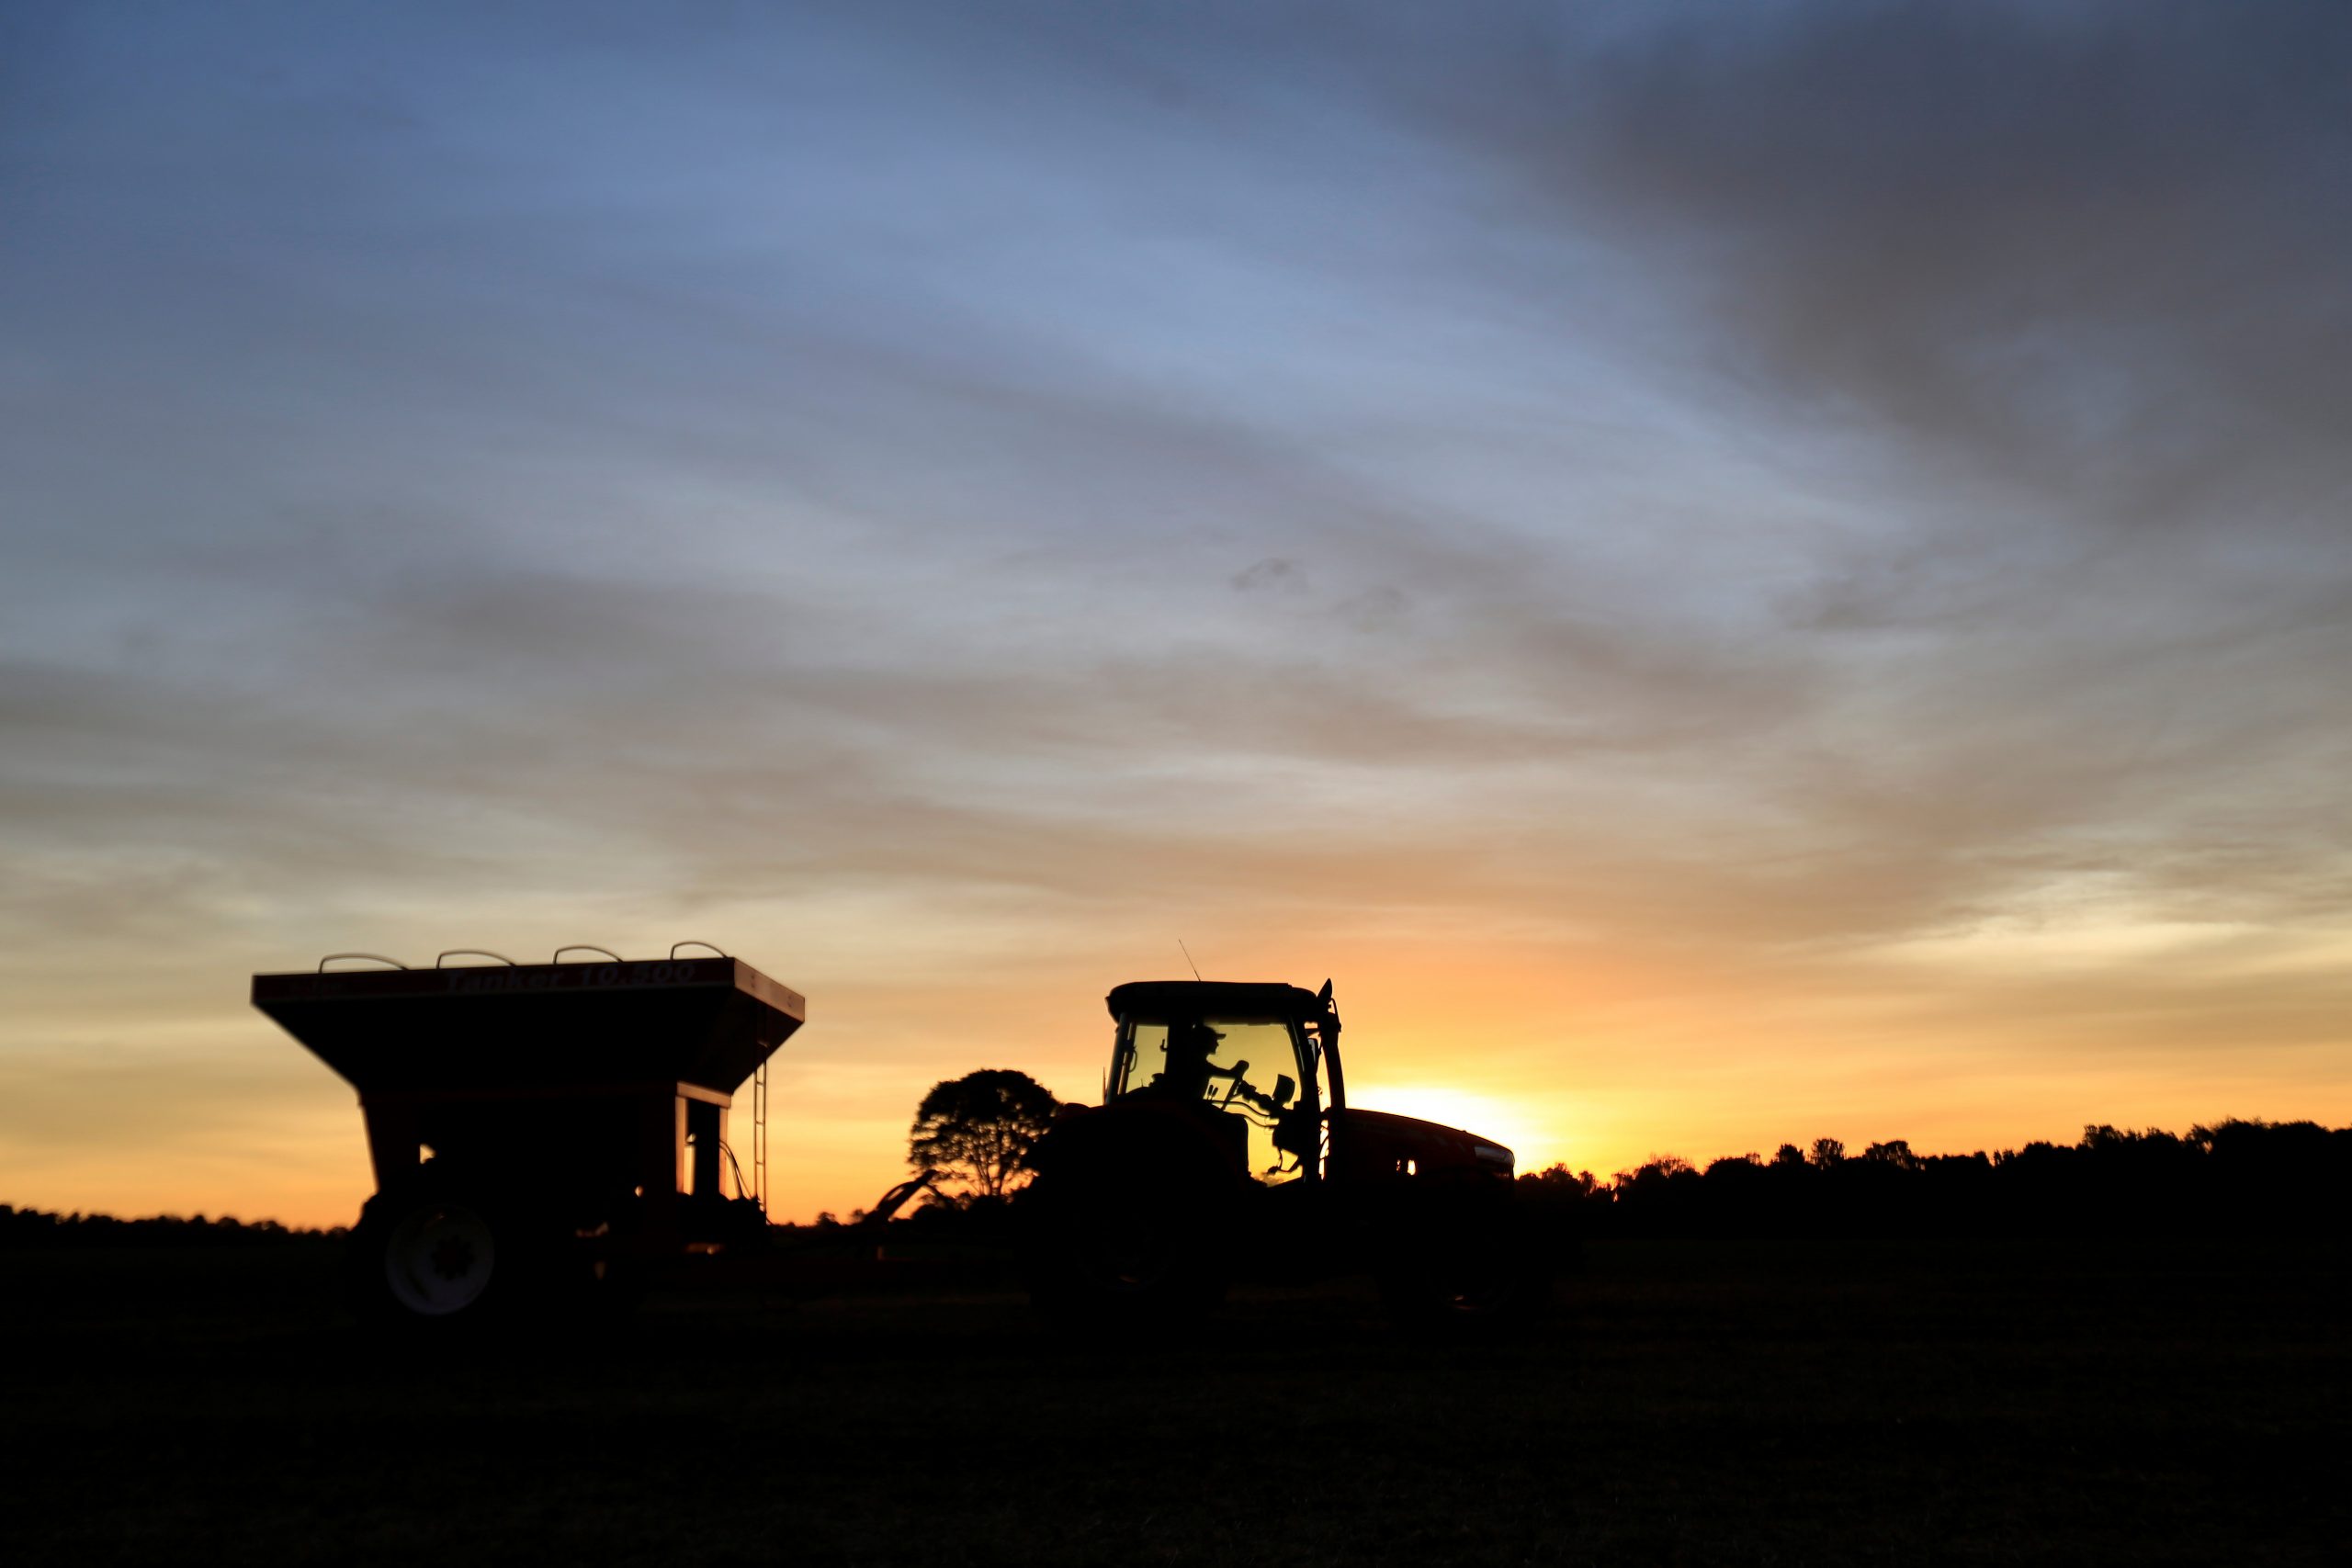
(1691, 1402)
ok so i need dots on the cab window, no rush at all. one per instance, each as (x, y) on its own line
(1257, 1070)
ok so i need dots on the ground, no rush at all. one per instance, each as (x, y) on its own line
(1745, 1403)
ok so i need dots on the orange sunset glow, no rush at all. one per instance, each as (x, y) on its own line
(1702, 652)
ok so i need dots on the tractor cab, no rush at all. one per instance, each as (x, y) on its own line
(1256, 1065)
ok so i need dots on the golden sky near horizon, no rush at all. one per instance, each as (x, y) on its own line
(1727, 581)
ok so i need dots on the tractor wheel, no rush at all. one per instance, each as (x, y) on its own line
(1106, 1250)
(1464, 1270)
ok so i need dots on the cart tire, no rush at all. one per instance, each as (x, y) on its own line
(435, 1257)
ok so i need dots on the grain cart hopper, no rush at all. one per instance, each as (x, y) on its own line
(539, 1132)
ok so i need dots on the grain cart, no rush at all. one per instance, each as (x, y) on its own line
(1226, 1149)
(544, 1133)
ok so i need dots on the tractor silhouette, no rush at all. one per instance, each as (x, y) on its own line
(1226, 1150)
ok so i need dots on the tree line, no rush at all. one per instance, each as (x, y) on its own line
(24, 1228)
(2236, 1177)
(2239, 1176)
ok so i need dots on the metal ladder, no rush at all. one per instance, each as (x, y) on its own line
(760, 1138)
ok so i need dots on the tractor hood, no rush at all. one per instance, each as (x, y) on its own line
(1384, 1138)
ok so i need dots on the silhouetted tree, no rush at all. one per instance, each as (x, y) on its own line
(1559, 1180)
(1828, 1152)
(1895, 1152)
(1561, 1205)
(977, 1128)
(1788, 1156)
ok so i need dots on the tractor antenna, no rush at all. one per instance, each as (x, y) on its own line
(1188, 957)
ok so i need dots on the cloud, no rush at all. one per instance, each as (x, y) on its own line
(2087, 248)
(1275, 573)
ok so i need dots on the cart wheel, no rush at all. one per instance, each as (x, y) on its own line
(430, 1255)
(440, 1259)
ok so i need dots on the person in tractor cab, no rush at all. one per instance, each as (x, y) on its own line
(1187, 1071)
(1184, 1078)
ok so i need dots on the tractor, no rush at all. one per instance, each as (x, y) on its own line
(1225, 1150)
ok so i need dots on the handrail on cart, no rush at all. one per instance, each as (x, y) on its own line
(583, 947)
(675, 945)
(376, 957)
(727, 1152)
(475, 953)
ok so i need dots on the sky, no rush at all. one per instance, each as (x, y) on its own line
(1729, 574)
